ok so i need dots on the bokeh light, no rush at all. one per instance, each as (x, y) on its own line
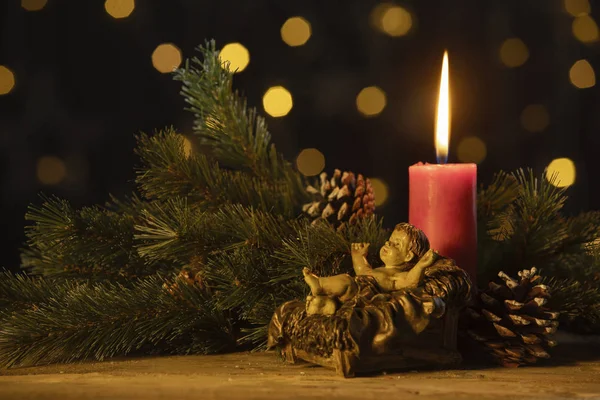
(33, 5)
(577, 8)
(166, 58)
(187, 146)
(562, 170)
(535, 118)
(51, 170)
(236, 55)
(582, 75)
(391, 19)
(380, 190)
(119, 8)
(371, 101)
(295, 31)
(585, 29)
(513, 52)
(310, 162)
(7, 80)
(277, 101)
(471, 149)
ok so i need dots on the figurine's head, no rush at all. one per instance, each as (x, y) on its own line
(407, 243)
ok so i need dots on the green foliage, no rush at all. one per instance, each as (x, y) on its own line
(226, 216)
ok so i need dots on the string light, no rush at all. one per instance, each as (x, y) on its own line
(33, 5)
(295, 31)
(391, 19)
(577, 8)
(472, 149)
(277, 101)
(585, 29)
(310, 162)
(380, 190)
(7, 80)
(582, 75)
(561, 172)
(119, 8)
(236, 56)
(51, 170)
(187, 146)
(166, 58)
(535, 118)
(513, 52)
(371, 101)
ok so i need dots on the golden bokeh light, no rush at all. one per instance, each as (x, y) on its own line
(391, 19)
(296, 31)
(585, 29)
(7, 80)
(513, 52)
(577, 8)
(119, 8)
(236, 56)
(51, 170)
(471, 149)
(166, 58)
(33, 5)
(371, 101)
(582, 75)
(277, 101)
(561, 172)
(535, 118)
(380, 190)
(310, 162)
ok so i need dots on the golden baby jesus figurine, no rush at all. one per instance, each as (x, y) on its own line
(405, 255)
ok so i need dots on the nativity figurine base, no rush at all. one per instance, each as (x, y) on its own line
(365, 327)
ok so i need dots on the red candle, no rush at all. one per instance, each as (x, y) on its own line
(442, 197)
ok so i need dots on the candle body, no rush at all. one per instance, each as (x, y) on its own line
(442, 203)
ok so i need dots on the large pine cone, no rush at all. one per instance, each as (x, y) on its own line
(509, 321)
(341, 199)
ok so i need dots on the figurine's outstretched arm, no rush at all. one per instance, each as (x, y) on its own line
(415, 275)
(359, 253)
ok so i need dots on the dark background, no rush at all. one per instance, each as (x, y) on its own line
(85, 85)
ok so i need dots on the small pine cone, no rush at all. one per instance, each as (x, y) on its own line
(510, 322)
(340, 200)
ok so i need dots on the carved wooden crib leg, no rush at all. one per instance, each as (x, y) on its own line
(289, 355)
(344, 363)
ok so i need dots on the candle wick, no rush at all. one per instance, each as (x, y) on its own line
(441, 158)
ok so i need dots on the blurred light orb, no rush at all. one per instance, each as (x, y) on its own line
(119, 8)
(561, 172)
(236, 56)
(371, 101)
(513, 52)
(51, 170)
(535, 118)
(277, 101)
(166, 58)
(472, 149)
(296, 31)
(577, 8)
(7, 80)
(391, 19)
(585, 29)
(380, 190)
(582, 75)
(310, 162)
(187, 146)
(33, 5)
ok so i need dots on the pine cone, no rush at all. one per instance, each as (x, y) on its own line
(509, 321)
(341, 199)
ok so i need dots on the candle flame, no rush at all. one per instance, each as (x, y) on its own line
(442, 120)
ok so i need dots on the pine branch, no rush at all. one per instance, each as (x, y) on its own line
(168, 172)
(94, 242)
(105, 320)
(578, 304)
(236, 135)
